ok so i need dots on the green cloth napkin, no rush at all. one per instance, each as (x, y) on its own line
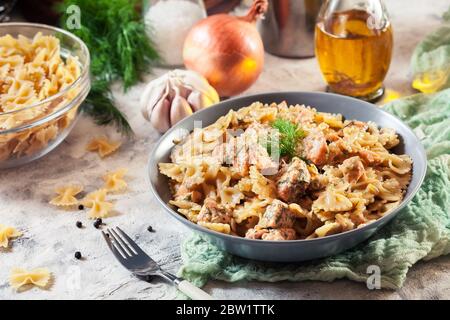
(430, 63)
(420, 231)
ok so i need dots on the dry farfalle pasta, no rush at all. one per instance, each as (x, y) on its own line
(96, 200)
(103, 146)
(66, 195)
(114, 181)
(39, 277)
(32, 70)
(7, 233)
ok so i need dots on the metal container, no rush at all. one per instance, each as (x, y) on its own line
(288, 27)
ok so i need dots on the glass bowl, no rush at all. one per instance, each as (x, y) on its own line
(31, 132)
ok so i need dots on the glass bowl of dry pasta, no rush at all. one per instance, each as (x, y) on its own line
(44, 78)
(287, 176)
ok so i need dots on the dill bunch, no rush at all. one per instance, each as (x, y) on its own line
(115, 34)
(289, 135)
(99, 105)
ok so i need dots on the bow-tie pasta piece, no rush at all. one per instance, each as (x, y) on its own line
(103, 146)
(100, 209)
(7, 233)
(327, 229)
(219, 227)
(332, 201)
(39, 277)
(252, 209)
(173, 171)
(114, 181)
(66, 195)
(98, 195)
(96, 200)
(262, 186)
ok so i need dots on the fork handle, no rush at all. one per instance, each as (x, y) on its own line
(193, 292)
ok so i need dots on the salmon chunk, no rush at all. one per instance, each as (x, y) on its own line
(245, 150)
(277, 215)
(211, 211)
(293, 182)
(369, 157)
(271, 234)
(233, 153)
(255, 233)
(280, 234)
(353, 169)
(316, 148)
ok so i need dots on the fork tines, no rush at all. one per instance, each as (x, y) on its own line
(121, 242)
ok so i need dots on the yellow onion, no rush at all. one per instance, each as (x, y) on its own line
(227, 50)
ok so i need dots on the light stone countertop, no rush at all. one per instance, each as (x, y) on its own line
(51, 238)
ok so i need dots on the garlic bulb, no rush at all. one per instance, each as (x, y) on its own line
(174, 96)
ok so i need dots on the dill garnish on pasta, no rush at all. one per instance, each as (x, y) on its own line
(290, 133)
(324, 175)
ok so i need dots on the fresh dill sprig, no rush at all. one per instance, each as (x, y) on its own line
(289, 135)
(99, 105)
(120, 49)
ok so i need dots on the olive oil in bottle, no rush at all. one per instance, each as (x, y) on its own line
(354, 53)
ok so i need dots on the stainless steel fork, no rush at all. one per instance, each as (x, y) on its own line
(133, 258)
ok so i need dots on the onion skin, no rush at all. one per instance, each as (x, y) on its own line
(227, 51)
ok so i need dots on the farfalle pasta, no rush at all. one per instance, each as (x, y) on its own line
(98, 204)
(31, 72)
(279, 172)
(103, 146)
(114, 181)
(66, 195)
(39, 277)
(6, 234)
(219, 227)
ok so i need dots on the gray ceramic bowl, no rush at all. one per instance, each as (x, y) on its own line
(294, 250)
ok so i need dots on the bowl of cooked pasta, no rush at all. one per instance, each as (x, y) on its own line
(288, 176)
(44, 78)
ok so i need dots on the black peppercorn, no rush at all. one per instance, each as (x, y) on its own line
(78, 255)
(150, 229)
(98, 222)
(80, 207)
(79, 224)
